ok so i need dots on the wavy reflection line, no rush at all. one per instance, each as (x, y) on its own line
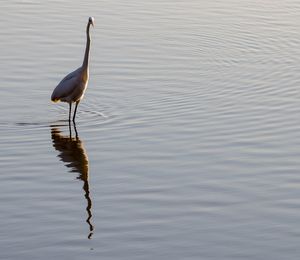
(73, 154)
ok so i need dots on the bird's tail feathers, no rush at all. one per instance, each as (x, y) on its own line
(55, 100)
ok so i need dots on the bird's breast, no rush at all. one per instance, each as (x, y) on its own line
(85, 76)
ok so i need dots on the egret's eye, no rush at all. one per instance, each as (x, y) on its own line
(91, 20)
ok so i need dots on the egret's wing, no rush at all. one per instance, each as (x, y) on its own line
(66, 86)
(71, 75)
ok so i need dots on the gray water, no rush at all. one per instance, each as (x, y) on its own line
(188, 138)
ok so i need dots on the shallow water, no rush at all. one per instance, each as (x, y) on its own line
(187, 142)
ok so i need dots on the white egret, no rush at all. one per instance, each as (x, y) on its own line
(72, 87)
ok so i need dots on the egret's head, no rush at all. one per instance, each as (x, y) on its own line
(91, 21)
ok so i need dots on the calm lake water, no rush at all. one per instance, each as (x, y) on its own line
(188, 138)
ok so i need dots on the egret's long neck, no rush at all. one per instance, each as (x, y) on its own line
(85, 64)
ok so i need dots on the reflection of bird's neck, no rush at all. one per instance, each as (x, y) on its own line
(85, 64)
(89, 206)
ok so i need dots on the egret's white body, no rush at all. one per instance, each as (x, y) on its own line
(72, 87)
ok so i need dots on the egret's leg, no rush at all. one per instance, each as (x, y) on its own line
(76, 133)
(75, 110)
(70, 130)
(70, 108)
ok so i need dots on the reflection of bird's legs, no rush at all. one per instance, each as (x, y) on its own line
(77, 102)
(70, 108)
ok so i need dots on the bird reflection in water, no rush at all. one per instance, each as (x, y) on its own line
(72, 153)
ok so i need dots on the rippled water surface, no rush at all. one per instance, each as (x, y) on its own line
(187, 142)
